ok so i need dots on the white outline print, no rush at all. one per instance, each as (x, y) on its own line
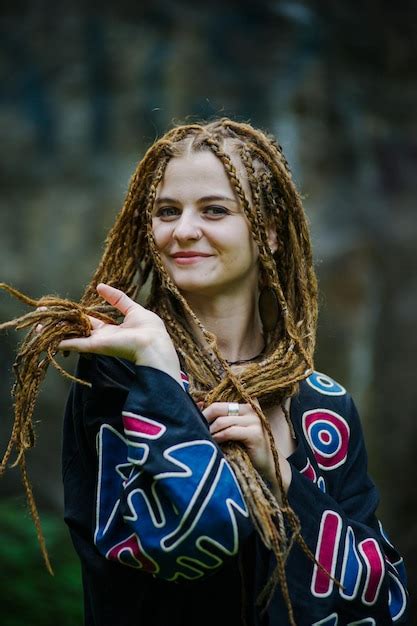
(330, 620)
(402, 600)
(159, 429)
(328, 435)
(325, 385)
(326, 553)
(374, 576)
(350, 554)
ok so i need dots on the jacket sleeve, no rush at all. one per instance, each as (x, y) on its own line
(336, 502)
(167, 500)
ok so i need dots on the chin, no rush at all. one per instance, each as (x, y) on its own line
(191, 288)
(196, 288)
(193, 284)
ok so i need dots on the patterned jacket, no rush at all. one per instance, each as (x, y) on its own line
(159, 521)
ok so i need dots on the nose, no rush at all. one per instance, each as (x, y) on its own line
(187, 228)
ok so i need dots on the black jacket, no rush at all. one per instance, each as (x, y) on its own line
(158, 520)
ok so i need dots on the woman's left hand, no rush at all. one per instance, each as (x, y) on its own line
(246, 428)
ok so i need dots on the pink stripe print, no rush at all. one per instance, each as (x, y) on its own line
(138, 425)
(326, 553)
(375, 569)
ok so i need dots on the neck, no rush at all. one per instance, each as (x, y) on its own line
(236, 323)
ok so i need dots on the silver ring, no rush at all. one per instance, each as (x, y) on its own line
(233, 408)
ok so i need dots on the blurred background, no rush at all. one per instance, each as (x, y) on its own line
(84, 91)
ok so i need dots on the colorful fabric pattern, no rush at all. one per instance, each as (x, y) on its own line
(168, 507)
(179, 522)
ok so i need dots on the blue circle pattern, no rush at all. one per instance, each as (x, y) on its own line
(332, 446)
(325, 385)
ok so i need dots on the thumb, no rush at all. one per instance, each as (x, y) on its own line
(116, 298)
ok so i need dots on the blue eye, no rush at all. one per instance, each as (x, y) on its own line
(216, 210)
(167, 211)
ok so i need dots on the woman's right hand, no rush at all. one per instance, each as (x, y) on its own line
(141, 337)
(246, 428)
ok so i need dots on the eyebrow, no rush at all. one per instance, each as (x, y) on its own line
(166, 200)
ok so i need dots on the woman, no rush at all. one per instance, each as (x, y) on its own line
(209, 472)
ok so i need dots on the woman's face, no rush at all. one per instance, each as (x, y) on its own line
(200, 229)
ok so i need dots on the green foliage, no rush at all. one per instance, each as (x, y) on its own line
(29, 596)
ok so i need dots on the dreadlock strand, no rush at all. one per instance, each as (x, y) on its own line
(59, 319)
(273, 537)
(34, 513)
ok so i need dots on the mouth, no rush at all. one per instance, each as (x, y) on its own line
(189, 257)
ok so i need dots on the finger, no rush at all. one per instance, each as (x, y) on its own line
(78, 344)
(226, 421)
(116, 298)
(95, 322)
(233, 433)
(221, 408)
(214, 410)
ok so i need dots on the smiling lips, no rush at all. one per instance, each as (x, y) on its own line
(189, 257)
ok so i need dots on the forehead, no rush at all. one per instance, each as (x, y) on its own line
(200, 172)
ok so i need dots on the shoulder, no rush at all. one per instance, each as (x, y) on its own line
(323, 385)
(319, 390)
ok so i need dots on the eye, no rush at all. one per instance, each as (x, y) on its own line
(167, 212)
(216, 211)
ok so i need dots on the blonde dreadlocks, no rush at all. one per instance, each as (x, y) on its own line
(131, 260)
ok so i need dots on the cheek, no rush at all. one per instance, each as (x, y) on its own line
(161, 235)
(246, 238)
(249, 248)
(245, 255)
